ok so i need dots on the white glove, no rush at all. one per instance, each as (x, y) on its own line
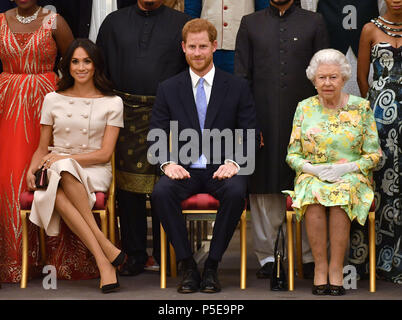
(315, 169)
(336, 171)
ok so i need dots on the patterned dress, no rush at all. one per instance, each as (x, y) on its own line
(329, 136)
(385, 96)
(28, 61)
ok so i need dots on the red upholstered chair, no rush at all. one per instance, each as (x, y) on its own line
(289, 228)
(203, 206)
(104, 206)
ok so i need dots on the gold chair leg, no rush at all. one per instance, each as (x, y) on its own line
(372, 250)
(243, 250)
(112, 220)
(42, 243)
(103, 217)
(163, 258)
(173, 268)
(299, 251)
(289, 231)
(24, 271)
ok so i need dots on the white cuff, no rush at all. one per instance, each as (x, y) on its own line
(266, 260)
(164, 164)
(234, 162)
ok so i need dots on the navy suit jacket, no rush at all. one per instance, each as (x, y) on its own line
(231, 106)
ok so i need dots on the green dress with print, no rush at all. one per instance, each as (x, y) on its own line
(331, 136)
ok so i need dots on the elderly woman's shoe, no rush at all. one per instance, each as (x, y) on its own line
(336, 290)
(321, 290)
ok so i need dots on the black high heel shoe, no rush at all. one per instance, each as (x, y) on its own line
(336, 290)
(119, 259)
(111, 287)
(321, 290)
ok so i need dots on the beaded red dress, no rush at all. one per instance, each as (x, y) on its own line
(28, 62)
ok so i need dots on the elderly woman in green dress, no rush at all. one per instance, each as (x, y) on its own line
(333, 148)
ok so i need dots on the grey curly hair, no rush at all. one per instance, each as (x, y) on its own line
(329, 56)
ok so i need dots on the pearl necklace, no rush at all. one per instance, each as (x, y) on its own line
(26, 20)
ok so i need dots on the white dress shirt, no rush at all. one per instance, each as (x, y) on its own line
(209, 78)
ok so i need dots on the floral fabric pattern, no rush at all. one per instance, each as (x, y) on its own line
(333, 136)
(385, 96)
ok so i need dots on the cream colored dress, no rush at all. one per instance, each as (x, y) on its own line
(78, 127)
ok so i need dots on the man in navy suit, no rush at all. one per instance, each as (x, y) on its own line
(200, 98)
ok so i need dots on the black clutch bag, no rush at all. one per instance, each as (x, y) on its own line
(278, 278)
(41, 178)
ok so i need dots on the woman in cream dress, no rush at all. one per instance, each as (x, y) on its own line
(79, 126)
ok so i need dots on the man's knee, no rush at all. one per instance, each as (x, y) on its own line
(235, 189)
(162, 189)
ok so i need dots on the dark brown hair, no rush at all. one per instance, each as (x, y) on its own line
(199, 25)
(100, 81)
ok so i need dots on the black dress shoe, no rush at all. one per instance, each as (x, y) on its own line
(210, 282)
(321, 290)
(265, 271)
(131, 267)
(120, 259)
(308, 270)
(111, 287)
(190, 282)
(336, 290)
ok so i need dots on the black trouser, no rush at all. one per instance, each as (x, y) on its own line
(166, 204)
(133, 226)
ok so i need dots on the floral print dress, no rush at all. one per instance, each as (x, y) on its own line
(385, 96)
(332, 136)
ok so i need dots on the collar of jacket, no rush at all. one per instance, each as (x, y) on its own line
(149, 13)
(275, 11)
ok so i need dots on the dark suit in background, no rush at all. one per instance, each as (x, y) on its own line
(340, 37)
(6, 5)
(141, 49)
(78, 13)
(273, 52)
